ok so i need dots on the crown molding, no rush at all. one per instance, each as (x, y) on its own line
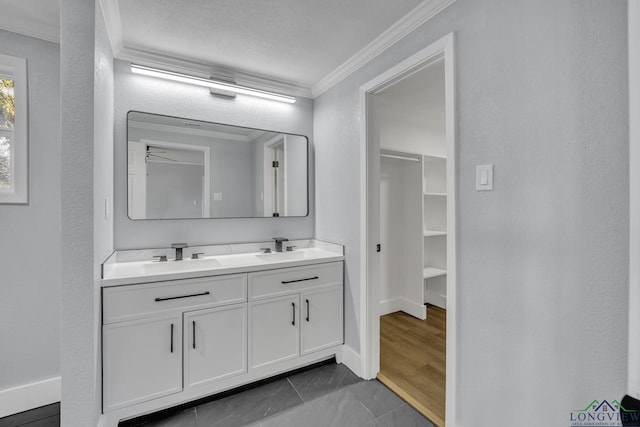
(418, 16)
(32, 29)
(111, 13)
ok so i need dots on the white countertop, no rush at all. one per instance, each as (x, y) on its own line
(139, 266)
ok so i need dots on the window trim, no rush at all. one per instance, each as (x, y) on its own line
(16, 69)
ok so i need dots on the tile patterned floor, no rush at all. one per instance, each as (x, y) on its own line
(329, 395)
(45, 416)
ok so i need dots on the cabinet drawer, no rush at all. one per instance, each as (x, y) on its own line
(287, 280)
(135, 301)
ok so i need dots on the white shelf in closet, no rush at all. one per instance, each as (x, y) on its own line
(430, 272)
(434, 226)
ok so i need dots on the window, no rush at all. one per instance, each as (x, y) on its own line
(13, 130)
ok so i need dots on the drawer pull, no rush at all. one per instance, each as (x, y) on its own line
(194, 334)
(172, 338)
(284, 282)
(307, 310)
(293, 319)
(183, 296)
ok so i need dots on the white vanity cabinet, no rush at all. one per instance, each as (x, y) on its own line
(143, 357)
(321, 318)
(175, 338)
(274, 329)
(142, 360)
(215, 344)
(293, 312)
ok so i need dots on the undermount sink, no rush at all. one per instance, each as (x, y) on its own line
(284, 256)
(234, 260)
(155, 267)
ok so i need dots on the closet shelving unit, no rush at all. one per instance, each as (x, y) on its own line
(434, 210)
(414, 231)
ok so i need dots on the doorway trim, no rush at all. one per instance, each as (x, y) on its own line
(206, 179)
(369, 291)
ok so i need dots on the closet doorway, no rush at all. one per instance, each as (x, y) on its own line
(410, 214)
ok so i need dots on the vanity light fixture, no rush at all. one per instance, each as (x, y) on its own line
(212, 84)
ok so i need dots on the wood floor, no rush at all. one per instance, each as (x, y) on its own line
(413, 359)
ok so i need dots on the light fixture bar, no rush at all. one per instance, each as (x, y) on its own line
(213, 84)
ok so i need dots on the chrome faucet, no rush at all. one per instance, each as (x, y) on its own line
(279, 241)
(179, 247)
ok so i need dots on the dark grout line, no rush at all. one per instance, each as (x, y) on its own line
(296, 390)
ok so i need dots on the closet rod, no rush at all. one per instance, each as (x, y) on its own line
(391, 156)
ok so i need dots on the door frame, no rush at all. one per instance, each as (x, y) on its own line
(633, 382)
(206, 180)
(269, 181)
(369, 231)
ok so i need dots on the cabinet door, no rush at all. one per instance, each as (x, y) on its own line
(273, 330)
(215, 345)
(142, 360)
(321, 318)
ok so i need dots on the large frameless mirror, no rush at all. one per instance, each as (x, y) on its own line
(183, 168)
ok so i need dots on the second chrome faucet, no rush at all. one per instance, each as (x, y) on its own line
(279, 241)
(179, 247)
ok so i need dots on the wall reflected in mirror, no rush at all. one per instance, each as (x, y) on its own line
(181, 168)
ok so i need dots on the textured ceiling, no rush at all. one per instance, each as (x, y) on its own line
(293, 41)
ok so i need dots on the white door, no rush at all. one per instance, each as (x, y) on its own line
(215, 344)
(321, 319)
(142, 360)
(274, 327)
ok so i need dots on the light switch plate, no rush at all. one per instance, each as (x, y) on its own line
(484, 177)
(217, 196)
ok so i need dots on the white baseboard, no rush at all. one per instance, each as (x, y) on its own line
(29, 396)
(389, 306)
(352, 360)
(437, 300)
(403, 304)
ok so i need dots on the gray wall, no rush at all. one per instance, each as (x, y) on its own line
(141, 93)
(86, 76)
(29, 297)
(174, 191)
(542, 260)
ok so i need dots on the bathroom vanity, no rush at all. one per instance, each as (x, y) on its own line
(224, 316)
